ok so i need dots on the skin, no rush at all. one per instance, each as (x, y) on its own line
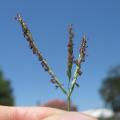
(39, 113)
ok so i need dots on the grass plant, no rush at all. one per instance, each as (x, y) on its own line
(72, 78)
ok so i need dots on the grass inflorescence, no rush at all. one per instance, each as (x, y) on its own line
(72, 80)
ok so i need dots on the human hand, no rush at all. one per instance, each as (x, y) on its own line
(39, 113)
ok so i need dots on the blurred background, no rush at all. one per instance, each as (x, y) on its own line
(23, 82)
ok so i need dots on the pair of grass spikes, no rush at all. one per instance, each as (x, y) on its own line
(72, 80)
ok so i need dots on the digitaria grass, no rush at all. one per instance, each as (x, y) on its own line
(72, 80)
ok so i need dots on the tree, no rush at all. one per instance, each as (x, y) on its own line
(6, 92)
(110, 89)
(59, 104)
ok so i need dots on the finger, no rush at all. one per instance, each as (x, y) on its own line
(76, 116)
(39, 113)
(35, 113)
(6, 113)
(26, 113)
(70, 116)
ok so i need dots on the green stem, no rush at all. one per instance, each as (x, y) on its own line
(74, 81)
(68, 96)
(68, 103)
(61, 87)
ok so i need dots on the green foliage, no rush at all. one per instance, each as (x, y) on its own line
(110, 89)
(6, 96)
(112, 118)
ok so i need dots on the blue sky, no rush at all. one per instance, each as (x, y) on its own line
(48, 21)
